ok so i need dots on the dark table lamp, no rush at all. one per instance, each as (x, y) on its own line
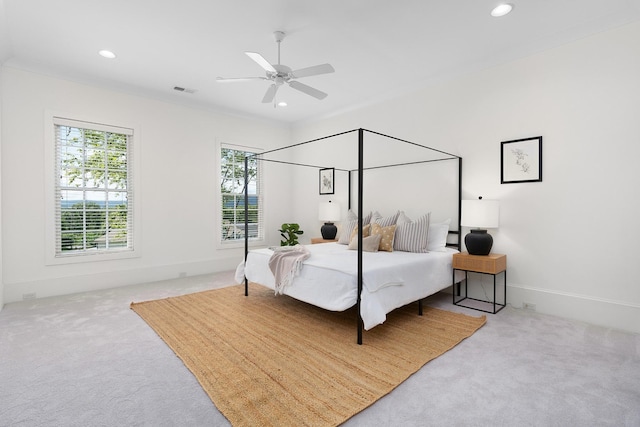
(329, 213)
(480, 214)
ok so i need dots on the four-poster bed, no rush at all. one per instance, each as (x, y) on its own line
(424, 273)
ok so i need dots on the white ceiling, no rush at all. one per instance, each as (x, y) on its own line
(378, 48)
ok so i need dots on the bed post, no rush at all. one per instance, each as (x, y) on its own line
(360, 187)
(459, 204)
(246, 221)
(349, 191)
(455, 287)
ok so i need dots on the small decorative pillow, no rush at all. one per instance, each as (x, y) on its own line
(369, 244)
(412, 236)
(386, 221)
(365, 233)
(387, 233)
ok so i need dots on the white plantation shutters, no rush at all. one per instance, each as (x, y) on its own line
(232, 200)
(93, 188)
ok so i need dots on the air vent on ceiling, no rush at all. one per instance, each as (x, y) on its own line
(184, 89)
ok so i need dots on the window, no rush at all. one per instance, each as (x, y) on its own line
(232, 190)
(93, 188)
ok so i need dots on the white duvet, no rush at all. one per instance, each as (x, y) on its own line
(328, 278)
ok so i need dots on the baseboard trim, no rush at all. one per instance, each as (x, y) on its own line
(14, 292)
(598, 311)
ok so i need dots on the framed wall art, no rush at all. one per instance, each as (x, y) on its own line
(521, 160)
(327, 177)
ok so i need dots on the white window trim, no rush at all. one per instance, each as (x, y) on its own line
(50, 182)
(232, 244)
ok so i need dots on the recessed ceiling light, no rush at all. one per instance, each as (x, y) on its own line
(107, 54)
(282, 104)
(501, 10)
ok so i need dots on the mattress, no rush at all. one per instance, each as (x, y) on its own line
(328, 278)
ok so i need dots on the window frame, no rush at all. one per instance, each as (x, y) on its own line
(239, 242)
(52, 182)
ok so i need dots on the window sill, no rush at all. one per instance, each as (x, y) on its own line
(91, 257)
(240, 244)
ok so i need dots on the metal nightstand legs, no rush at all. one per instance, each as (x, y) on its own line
(494, 303)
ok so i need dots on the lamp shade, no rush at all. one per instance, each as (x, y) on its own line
(329, 212)
(480, 213)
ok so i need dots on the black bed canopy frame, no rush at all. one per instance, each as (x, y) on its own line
(360, 174)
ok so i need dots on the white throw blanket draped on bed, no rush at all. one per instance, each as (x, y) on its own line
(285, 264)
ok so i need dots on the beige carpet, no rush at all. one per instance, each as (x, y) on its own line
(267, 360)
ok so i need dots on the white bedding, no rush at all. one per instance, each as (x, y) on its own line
(328, 278)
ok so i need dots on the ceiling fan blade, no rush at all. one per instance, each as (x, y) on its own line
(308, 90)
(238, 79)
(313, 71)
(259, 59)
(270, 94)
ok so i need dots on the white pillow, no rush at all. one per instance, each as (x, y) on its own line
(438, 232)
(412, 236)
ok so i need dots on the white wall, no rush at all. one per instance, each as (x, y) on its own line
(571, 240)
(386, 189)
(1, 275)
(176, 197)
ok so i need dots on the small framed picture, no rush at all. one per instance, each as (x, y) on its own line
(521, 160)
(327, 180)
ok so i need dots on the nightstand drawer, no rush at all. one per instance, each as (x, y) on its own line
(491, 264)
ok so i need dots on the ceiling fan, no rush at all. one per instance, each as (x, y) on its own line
(279, 74)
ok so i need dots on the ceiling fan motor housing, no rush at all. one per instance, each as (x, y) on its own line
(283, 74)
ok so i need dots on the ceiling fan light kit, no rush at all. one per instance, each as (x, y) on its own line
(279, 74)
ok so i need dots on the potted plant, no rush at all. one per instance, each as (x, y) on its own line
(290, 233)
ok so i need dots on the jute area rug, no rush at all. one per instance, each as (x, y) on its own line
(272, 360)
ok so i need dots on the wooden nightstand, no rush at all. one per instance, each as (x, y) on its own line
(315, 240)
(492, 264)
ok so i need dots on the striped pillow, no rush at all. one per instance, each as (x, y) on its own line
(347, 228)
(350, 225)
(385, 222)
(412, 236)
